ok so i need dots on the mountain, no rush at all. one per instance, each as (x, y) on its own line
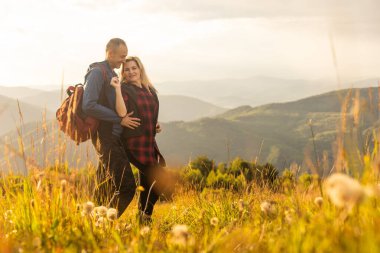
(175, 107)
(280, 133)
(18, 92)
(255, 91)
(172, 107)
(277, 133)
(10, 116)
(42, 146)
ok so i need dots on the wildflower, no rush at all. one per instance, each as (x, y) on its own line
(214, 221)
(372, 191)
(144, 231)
(180, 235)
(63, 185)
(112, 214)
(268, 208)
(8, 215)
(128, 227)
(241, 205)
(100, 211)
(99, 222)
(88, 207)
(140, 188)
(289, 216)
(37, 242)
(344, 191)
(318, 201)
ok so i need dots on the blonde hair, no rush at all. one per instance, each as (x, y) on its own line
(143, 76)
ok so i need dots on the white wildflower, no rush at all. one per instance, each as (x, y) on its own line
(111, 214)
(63, 185)
(318, 201)
(344, 191)
(180, 235)
(144, 231)
(241, 205)
(8, 215)
(289, 216)
(37, 242)
(88, 207)
(99, 222)
(100, 211)
(268, 208)
(372, 191)
(214, 221)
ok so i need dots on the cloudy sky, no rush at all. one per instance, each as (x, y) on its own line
(181, 40)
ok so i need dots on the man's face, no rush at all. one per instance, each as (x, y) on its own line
(117, 56)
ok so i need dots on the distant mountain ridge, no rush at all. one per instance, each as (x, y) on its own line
(172, 107)
(257, 90)
(10, 116)
(279, 132)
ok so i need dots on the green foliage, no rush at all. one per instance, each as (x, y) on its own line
(239, 166)
(203, 164)
(195, 178)
(306, 180)
(265, 175)
(237, 175)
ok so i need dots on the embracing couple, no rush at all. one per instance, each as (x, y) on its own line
(127, 108)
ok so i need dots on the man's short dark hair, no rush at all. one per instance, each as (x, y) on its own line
(114, 43)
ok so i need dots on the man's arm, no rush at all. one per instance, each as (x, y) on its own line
(90, 105)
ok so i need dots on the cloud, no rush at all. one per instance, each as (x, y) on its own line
(217, 9)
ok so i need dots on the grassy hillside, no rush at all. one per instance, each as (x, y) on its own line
(279, 133)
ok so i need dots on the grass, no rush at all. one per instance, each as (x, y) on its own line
(42, 213)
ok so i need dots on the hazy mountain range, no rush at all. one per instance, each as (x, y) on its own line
(255, 91)
(279, 133)
(172, 107)
(10, 116)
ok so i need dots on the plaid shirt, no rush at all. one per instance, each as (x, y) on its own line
(144, 148)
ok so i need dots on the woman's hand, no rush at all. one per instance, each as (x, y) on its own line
(130, 122)
(115, 82)
(158, 128)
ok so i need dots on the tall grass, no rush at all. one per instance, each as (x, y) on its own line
(45, 210)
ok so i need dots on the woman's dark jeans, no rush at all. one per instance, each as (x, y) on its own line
(148, 176)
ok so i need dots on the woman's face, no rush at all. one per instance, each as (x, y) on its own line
(131, 72)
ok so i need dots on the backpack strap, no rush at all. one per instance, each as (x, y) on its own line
(102, 95)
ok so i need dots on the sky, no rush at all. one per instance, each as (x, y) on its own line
(45, 41)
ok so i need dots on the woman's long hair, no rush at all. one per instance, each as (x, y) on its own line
(143, 76)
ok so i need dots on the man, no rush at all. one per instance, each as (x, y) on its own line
(115, 181)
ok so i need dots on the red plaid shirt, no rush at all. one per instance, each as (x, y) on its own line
(144, 147)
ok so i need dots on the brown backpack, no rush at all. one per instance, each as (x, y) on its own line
(72, 120)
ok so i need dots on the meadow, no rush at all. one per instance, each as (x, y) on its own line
(231, 209)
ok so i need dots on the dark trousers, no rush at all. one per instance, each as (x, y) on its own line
(115, 186)
(148, 174)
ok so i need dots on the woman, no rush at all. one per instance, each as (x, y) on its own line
(136, 100)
